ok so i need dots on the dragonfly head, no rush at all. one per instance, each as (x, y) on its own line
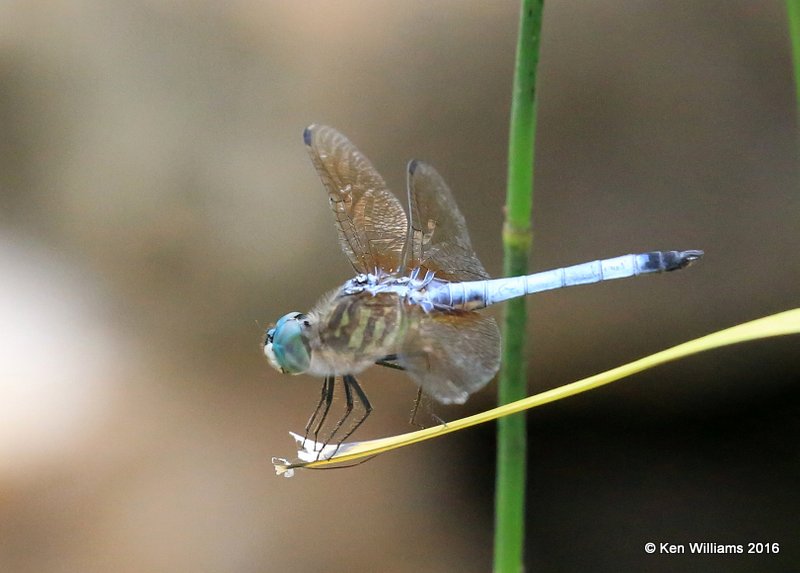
(286, 345)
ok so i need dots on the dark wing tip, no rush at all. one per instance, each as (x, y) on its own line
(412, 166)
(308, 133)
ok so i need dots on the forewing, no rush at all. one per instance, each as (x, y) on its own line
(370, 220)
(450, 355)
(438, 240)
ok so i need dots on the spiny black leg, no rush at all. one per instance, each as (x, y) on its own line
(350, 381)
(348, 395)
(328, 398)
(413, 419)
(389, 361)
(316, 410)
(417, 403)
(385, 363)
(436, 418)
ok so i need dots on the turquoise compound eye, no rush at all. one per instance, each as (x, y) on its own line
(285, 345)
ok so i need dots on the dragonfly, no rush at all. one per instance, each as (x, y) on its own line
(414, 300)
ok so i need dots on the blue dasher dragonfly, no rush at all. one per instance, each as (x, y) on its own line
(414, 300)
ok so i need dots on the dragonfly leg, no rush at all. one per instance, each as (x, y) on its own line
(413, 419)
(316, 410)
(326, 398)
(389, 361)
(348, 396)
(417, 402)
(350, 382)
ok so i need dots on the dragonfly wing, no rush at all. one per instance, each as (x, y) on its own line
(370, 220)
(438, 238)
(451, 355)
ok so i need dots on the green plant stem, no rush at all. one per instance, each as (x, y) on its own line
(793, 13)
(511, 438)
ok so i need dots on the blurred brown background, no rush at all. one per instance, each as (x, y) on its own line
(158, 210)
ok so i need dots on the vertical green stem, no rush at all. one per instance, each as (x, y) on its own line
(793, 13)
(511, 446)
